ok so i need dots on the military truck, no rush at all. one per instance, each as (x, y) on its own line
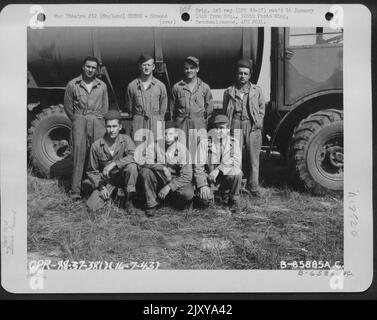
(300, 71)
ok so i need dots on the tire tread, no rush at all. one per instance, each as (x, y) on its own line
(46, 113)
(303, 134)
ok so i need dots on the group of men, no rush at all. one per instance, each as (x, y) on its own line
(164, 160)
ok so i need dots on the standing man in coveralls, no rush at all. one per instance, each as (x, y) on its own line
(244, 105)
(146, 100)
(192, 102)
(85, 103)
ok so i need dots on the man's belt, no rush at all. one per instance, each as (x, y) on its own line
(88, 113)
(191, 116)
(238, 116)
(148, 115)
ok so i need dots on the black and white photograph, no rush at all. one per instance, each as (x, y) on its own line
(91, 196)
(186, 148)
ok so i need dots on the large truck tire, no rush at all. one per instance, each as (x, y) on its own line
(49, 143)
(316, 152)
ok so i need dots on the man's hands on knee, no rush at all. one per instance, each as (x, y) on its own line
(213, 175)
(104, 193)
(205, 193)
(164, 192)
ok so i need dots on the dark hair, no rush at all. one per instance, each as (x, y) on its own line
(238, 69)
(170, 124)
(119, 121)
(91, 58)
(145, 57)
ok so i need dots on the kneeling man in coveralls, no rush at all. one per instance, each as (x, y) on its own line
(112, 165)
(219, 163)
(171, 178)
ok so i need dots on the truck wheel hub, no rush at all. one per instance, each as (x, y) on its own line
(56, 143)
(336, 156)
(330, 158)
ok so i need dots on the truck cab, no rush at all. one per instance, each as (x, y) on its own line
(304, 117)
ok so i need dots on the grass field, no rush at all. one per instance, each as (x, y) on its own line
(283, 225)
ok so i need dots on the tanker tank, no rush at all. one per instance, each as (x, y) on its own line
(55, 54)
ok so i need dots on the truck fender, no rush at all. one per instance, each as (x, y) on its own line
(302, 108)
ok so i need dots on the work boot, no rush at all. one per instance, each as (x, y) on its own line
(75, 196)
(189, 207)
(235, 206)
(120, 198)
(256, 194)
(221, 198)
(253, 193)
(151, 212)
(128, 204)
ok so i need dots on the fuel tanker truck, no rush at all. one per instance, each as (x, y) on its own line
(300, 71)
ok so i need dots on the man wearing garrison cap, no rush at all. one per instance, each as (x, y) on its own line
(192, 102)
(219, 163)
(112, 166)
(244, 105)
(146, 100)
(170, 176)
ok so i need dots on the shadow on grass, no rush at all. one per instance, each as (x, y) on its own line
(64, 181)
(274, 172)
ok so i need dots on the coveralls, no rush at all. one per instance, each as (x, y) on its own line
(224, 155)
(246, 114)
(153, 178)
(85, 110)
(147, 106)
(191, 110)
(124, 175)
